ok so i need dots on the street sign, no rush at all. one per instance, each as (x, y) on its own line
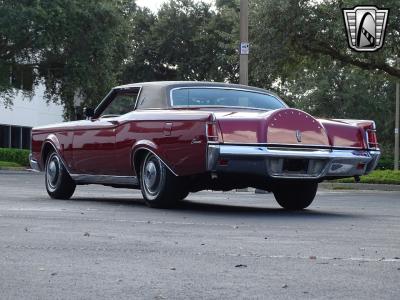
(244, 48)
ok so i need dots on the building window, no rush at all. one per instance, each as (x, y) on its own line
(15, 137)
(5, 136)
(26, 138)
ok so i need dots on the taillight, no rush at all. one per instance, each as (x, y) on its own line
(212, 132)
(372, 141)
(371, 138)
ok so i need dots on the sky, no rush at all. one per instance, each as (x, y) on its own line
(154, 5)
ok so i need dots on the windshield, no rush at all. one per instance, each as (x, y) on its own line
(223, 97)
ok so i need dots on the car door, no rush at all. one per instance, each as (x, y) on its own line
(94, 143)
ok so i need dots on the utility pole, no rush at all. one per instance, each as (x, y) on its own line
(244, 42)
(396, 126)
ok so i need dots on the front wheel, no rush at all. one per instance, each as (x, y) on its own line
(59, 184)
(160, 188)
(295, 195)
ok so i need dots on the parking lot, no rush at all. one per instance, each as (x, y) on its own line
(105, 243)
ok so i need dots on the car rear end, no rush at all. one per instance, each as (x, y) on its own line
(290, 144)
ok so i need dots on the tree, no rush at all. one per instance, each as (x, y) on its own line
(315, 29)
(299, 49)
(75, 45)
(186, 40)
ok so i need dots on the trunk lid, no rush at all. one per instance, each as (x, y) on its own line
(285, 126)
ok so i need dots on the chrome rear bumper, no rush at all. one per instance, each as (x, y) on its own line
(291, 163)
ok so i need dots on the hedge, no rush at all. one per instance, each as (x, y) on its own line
(385, 163)
(377, 176)
(19, 156)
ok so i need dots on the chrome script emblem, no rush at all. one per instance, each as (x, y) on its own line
(365, 27)
(298, 135)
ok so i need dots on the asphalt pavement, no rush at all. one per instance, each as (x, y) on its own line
(104, 243)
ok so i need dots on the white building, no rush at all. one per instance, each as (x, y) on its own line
(17, 121)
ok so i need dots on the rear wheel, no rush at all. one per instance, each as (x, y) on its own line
(59, 184)
(160, 188)
(183, 194)
(295, 195)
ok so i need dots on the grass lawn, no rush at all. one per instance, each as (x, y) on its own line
(9, 164)
(377, 176)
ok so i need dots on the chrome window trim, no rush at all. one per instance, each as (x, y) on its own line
(220, 106)
(171, 100)
(137, 98)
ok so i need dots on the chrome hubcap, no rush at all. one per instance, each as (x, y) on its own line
(151, 176)
(53, 171)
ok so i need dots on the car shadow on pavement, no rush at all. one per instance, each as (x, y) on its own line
(199, 208)
(226, 209)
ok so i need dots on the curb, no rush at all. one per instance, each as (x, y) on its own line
(14, 169)
(359, 186)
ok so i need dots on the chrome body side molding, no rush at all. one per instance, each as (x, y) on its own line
(105, 179)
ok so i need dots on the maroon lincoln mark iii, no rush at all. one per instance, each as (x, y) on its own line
(172, 138)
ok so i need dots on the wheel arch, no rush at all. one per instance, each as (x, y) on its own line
(139, 152)
(47, 148)
(51, 143)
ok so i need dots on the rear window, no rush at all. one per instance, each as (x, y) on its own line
(223, 97)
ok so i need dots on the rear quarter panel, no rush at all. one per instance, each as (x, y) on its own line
(344, 135)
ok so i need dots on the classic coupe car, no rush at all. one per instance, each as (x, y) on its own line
(172, 138)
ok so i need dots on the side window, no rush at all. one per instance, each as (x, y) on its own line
(121, 104)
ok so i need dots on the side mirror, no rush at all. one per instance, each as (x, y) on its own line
(89, 112)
